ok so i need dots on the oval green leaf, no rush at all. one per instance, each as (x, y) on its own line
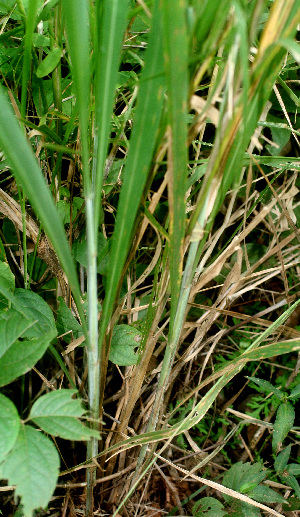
(283, 424)
(33, 466)
(49, 63)
(56, 413)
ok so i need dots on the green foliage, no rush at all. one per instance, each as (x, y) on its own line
(208, 507)
(285, 414)
(57, 412)
(125, 340)
(49, 63)
(33, 466)
(28, 459)
(9, 424)
(246, 479)
(66, 322)
(116, 115)
(287, 472)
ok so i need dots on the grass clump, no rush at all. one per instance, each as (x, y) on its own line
(149, 255)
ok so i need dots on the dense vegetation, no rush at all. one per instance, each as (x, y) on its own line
(149, 257)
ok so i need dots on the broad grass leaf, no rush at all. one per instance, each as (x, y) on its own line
(291, 46)
(175, 53)
(111, 19)
(21, 158)
(76, 16)
(285, 417)
(57, 412)
(9, 425)
(142, 144)
(124, 340)
(49, 63)
(281, 460)
(33, 466)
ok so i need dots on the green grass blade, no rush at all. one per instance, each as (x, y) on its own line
(76, 16)
(176, 68)
(27, 172)
(142, 143)
(175, 65)
(31, 20)
(111, 18)
(226, 158)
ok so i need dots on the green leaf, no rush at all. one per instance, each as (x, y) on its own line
(9, 425)
(252, 473)
(2, 252)
(292, 503)
(76, 16)
(13, 326)
(295, 392)
(7, 279)
(289, 479)
(281, 460)
(80, 253)
(291, 46)
(249, 510)
(243, 474)
(21, 356)
(63, 210)
(38, 310)
(285, 417)
(208, 507)
(56, 413)
(33, 466)
(175, 54)
(264, 494)
(20, 156)
(49, 63)
(124, 340)
(142, 145)
(267, 386)
(67, 322)
(40, 40)
(246, 487)
(110, 27)
(294, 469)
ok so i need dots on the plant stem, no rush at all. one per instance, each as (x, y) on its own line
(174, 336)
(92, 352)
